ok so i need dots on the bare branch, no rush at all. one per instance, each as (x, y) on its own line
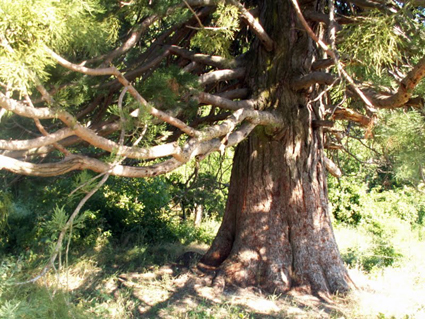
(224, 103)
(332, 168)
(221, 75)
(194, 13)
(101, 129)
(82, 163)
(134, 37)
(36, 142)
(85, 133)
(235, 94)
(193, 148)
(347, 114)
(133, 74)
(40, 127)
(322, 64)
(253, 116)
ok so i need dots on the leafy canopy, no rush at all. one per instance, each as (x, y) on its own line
(26, 27)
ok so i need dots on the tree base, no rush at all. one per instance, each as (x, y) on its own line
(276, 233)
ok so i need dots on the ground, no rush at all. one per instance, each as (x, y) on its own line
(174, 291)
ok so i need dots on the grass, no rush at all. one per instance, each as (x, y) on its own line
(140, 282)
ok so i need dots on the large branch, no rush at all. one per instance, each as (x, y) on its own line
(193, 148)
(322, 64)
(332, 168)
(81, 163)
(171, 149)
(83, 132)
(16, 145)
(405, 89)
(101, 129)
(253, 116)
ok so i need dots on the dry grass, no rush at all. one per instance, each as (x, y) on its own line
(170, 292)
(394, 292)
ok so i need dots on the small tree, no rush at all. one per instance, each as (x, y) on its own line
(156, 84)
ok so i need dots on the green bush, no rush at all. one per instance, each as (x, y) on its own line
(368, 248)
(353, 203)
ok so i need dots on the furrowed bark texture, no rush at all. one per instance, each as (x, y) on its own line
(276, 232)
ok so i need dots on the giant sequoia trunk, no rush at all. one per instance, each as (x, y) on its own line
(276, 232)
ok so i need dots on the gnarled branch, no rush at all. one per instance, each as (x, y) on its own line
(405, 89)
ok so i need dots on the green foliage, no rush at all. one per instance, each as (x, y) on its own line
(375, 202)
(5, 209)
(353, 203)
(166, 87)
(379, 41)
(187, 233)
(135, 10)
(369, 248)
(402, 135)
(127, 211)
(217, 39)
(374, 43)
(28, 26)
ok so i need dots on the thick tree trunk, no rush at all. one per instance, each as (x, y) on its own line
(276, 232)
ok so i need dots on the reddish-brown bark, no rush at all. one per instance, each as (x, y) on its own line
(276, 232)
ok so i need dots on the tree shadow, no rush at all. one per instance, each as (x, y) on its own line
(171, 291)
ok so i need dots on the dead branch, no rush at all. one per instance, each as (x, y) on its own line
(332, 168)
(350, 115)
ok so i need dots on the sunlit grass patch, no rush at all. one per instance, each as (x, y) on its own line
(395, 291)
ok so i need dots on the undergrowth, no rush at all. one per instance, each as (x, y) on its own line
(92, 285)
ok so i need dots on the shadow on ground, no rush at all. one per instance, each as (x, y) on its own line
(173, 291)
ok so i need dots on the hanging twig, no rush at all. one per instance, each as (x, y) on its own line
(69, 223)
